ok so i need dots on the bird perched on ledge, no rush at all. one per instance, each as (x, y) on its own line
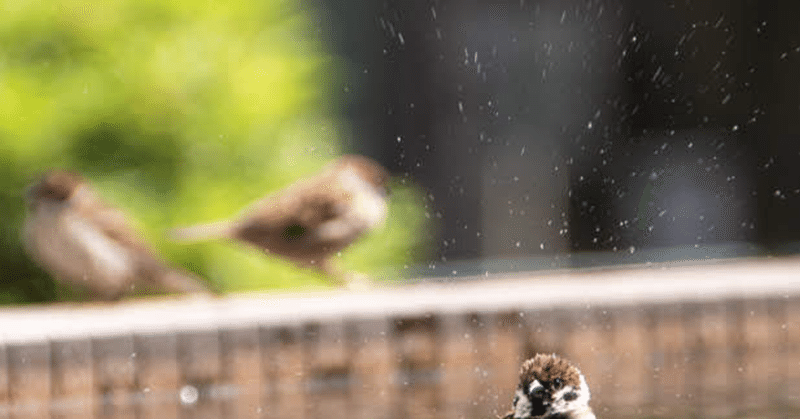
(312, 219)
(79, 239)
(550, 388)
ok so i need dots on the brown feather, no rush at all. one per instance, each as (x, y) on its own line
(546, 368)
(82, 240)
(311, 219)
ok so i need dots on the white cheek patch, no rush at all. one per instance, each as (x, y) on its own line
(559, 404)
(523, 407)
(563, 406)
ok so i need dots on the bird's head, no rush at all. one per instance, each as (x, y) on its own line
(367, 169)
(55, 185)
(549, 387)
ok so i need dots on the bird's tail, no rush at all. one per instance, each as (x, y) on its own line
(203, 232)
(182, 282)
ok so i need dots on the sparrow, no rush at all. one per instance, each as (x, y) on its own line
(312, 219)
(550, 388)
(82, 241)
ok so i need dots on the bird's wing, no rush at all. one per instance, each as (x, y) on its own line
(105, 253)
(150, 268)
(287, 222)
(308, 202)
(116, 225)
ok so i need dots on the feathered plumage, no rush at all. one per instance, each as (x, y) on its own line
(83, 241)
(311, 219)
(550, 388)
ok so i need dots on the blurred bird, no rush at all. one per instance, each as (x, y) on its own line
(312, 219)
(82, 241)
(550, 388)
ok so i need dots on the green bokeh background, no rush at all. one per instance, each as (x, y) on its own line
(179, 112)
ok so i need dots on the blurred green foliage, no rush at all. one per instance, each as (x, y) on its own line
(179, 112)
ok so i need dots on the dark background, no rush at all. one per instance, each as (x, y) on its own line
(542, 128)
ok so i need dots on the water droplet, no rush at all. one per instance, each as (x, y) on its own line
(189, 395)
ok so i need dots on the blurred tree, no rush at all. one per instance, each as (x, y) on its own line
(180, 112)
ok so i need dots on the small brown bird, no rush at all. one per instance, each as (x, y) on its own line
(312, 219)
(84, 242)
(550, 388)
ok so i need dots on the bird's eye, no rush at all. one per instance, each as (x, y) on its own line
(557, 383)
(570, 396)
(516, 400)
